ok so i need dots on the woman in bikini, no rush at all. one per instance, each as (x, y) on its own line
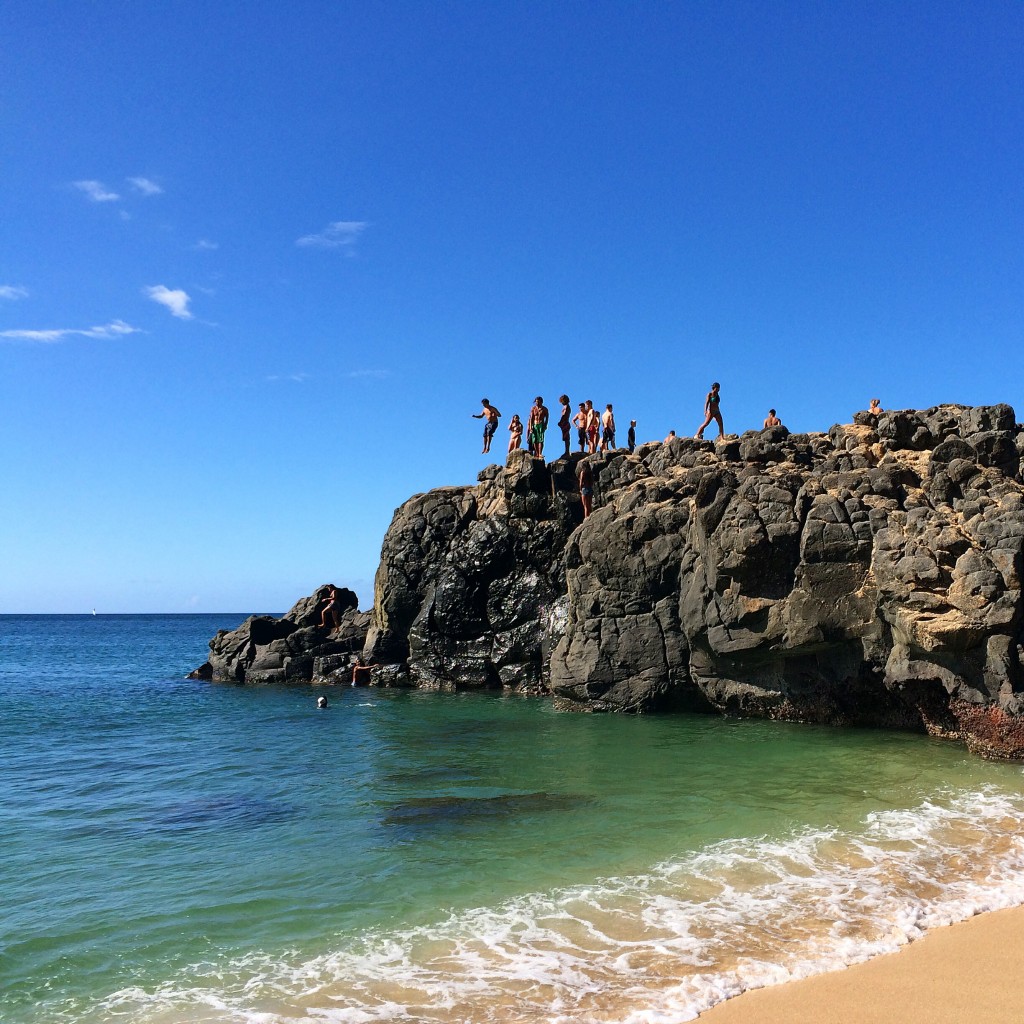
(711, 412)
(515, 439)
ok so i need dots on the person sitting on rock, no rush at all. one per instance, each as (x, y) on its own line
(515, 427)
(671, 437)
(771, 420)
(875, 407)
(331, 607)
(711, 412)
(586, 478)
(490, 416)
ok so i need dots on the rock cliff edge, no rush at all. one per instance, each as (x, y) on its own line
(867, 576)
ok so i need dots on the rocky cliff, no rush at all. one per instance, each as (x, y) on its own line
(870, 575)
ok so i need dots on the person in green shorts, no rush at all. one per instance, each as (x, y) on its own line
(536, 426)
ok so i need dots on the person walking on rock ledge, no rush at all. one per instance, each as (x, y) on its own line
(712, 412)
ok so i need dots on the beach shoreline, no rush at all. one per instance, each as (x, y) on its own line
(955, 974)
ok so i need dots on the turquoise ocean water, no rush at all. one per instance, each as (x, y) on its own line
(176, 851)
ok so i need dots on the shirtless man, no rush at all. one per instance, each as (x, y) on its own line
(564, 421)
(771, 420)
(580, 419)
(536, 426)
(593, 426)
(490, 416)
(607, 428)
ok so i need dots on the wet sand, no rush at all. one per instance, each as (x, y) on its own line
(964, 974)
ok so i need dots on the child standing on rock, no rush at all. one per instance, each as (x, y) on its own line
(515, 433)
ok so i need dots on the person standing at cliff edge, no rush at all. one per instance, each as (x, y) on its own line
(712, 412)
(536, 426)
(581, 419)
(564, 421)
(490, 416)
(607, 429)
(631, 437)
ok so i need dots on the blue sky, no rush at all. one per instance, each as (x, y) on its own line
(259, 263)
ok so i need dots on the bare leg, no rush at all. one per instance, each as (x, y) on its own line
(700, 433)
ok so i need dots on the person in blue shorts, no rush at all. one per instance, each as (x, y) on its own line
(490, 416)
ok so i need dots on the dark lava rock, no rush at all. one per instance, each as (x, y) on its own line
(870, 576)
(267, 650)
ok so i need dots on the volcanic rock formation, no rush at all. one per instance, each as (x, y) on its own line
(869, 576)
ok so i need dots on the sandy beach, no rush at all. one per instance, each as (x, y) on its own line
(963, 974)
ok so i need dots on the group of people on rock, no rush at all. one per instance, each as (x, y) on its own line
(595, 431)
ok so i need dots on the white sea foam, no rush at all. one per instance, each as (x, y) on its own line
(650, 949)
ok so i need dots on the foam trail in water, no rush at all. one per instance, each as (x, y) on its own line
(649, 949)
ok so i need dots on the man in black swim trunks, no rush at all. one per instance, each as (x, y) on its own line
(490, 416)
(580, 419)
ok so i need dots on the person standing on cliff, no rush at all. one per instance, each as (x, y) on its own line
(536, 426)
(631, 436)
(593, 426)
(515, 428)
(490, 416)
(330, 608)
(607, 429)
(712, 412)
(564, 421)
(580, 419)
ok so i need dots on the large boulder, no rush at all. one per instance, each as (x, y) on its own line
(268, 650)
(870, 575)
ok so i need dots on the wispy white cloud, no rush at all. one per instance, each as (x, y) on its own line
(11, 292)
(96, 191)
(297, 378)
(146, 186)
(368, 374)
(115, 329)
(205, 245)
(174, 299)
(341, 234)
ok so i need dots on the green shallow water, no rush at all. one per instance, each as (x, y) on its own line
(180, 851)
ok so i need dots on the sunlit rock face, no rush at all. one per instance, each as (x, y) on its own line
(870, 575)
